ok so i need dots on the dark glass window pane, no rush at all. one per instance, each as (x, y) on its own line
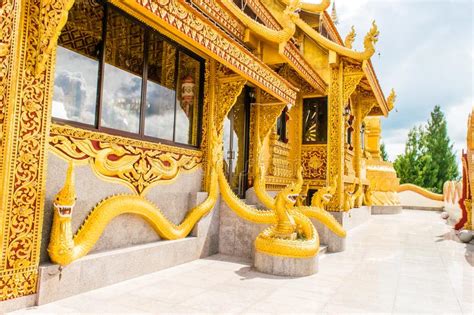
(77, 66)
(161, 89)
(122, 73)
(187, 103)
(281, 126)
(315, 120)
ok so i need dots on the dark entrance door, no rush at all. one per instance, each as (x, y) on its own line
(236, 142)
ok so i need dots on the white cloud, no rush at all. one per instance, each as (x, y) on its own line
(426, 52)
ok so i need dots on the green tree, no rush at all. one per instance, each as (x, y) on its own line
(428, 160)
(409, 165)
(443, 165)
(383, 152)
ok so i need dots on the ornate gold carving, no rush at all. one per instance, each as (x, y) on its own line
(137, 164)
(352, 76)
(350, 38)
(8, 18)
(267, 115)
(314, 161)
(213, 9)
(26, 101)
(280, 164)
(228, 90)
(263, 119)
(297, 80)
(180, 19)
(53, 17)
(336, 136)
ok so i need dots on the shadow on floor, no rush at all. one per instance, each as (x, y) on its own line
(451, 236)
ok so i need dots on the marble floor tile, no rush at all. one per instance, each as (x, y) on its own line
(405, 263)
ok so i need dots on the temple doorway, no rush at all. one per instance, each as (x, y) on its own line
(236, 142)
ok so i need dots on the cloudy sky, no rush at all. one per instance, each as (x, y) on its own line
(425, 52)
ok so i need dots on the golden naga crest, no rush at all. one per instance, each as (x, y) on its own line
(350, 38)
(66, 197)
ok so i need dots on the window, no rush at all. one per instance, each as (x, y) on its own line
(161, 89)
(77, 64)
(315, 118)
(362, 136)
(117, 75)
(123, 72)
(281, 126)
(187, 100)
(349, 128)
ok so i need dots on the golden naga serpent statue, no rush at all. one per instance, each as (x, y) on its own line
(290, 18)
(292, 233)
(64, 248)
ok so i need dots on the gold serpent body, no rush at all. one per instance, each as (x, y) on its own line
(369, 42)
(64, 248)
(312, 7)
(276, 36)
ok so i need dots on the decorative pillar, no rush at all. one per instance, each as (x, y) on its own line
(372, 132)
(357, 136)
(29, 31)
(343, 83)
(335, 156)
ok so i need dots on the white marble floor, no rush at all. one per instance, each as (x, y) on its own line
(406, 263)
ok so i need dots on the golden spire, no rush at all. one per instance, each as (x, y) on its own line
(334, 13)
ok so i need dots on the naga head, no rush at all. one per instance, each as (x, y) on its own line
(350, 38)
(371, 38)
(66, 197)
(292, 9)
(291, 192)
(391, 99)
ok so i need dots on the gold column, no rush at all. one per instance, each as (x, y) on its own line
(335, 168)
(343, 82)
(28, 34)
(357, 137)
(372, 131)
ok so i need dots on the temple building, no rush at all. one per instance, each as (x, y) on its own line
(137, 135)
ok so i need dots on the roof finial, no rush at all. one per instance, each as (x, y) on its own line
(334, 13)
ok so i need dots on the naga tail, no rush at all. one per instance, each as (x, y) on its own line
(325, 218)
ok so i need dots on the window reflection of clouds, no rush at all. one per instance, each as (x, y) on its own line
(121, 100)
(75, 87)
(159, 111)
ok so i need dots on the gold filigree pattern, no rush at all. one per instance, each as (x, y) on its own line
(137, 164)
(280, 163)
(352, 76)
(297, 80)
(29, 102)
(314, 161)
(8, 16)
(53, 17)
(336, 136)
(228, 90)
(212, 8)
